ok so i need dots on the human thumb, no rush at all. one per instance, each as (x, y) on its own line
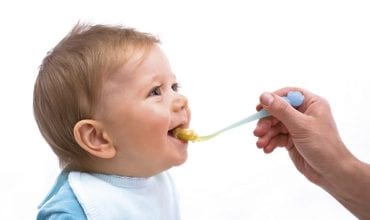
(281, 109)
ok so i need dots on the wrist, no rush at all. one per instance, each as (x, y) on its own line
(349, 185)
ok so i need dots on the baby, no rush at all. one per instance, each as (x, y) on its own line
(107, 103)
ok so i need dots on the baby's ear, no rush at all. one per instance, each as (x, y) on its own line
(92, 137)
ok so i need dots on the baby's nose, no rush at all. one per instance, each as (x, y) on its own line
(180, 103)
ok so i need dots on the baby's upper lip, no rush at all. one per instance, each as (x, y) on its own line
(183, 124)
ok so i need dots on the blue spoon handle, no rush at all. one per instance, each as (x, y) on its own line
(294, 98)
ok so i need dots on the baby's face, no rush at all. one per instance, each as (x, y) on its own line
(139, 109)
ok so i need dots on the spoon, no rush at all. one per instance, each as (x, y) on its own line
(294, 98)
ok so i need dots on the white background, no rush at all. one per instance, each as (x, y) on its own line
(225, 54)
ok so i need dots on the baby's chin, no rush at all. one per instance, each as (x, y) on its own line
(181, 160)
(178, 161)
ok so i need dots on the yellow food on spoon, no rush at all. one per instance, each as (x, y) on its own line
(185, 134)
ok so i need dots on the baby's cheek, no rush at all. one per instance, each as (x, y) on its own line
(158, 122)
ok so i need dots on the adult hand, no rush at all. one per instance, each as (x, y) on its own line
(310, 135)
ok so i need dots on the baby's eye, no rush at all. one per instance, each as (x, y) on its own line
(175, 87)
(155, 91)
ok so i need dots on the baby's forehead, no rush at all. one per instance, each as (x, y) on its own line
(122, 77)
(135, 65)
(124, 61)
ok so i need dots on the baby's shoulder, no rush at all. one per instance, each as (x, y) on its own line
(62, 205)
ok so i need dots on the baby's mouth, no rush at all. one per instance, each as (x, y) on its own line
(175, 131)
(172, 132)
(183, 134)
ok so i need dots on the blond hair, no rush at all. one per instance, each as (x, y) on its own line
(70, 81)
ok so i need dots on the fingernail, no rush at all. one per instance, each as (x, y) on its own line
(267, 99)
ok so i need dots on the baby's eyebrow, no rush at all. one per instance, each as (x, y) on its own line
(148, 85)
(159, 80)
